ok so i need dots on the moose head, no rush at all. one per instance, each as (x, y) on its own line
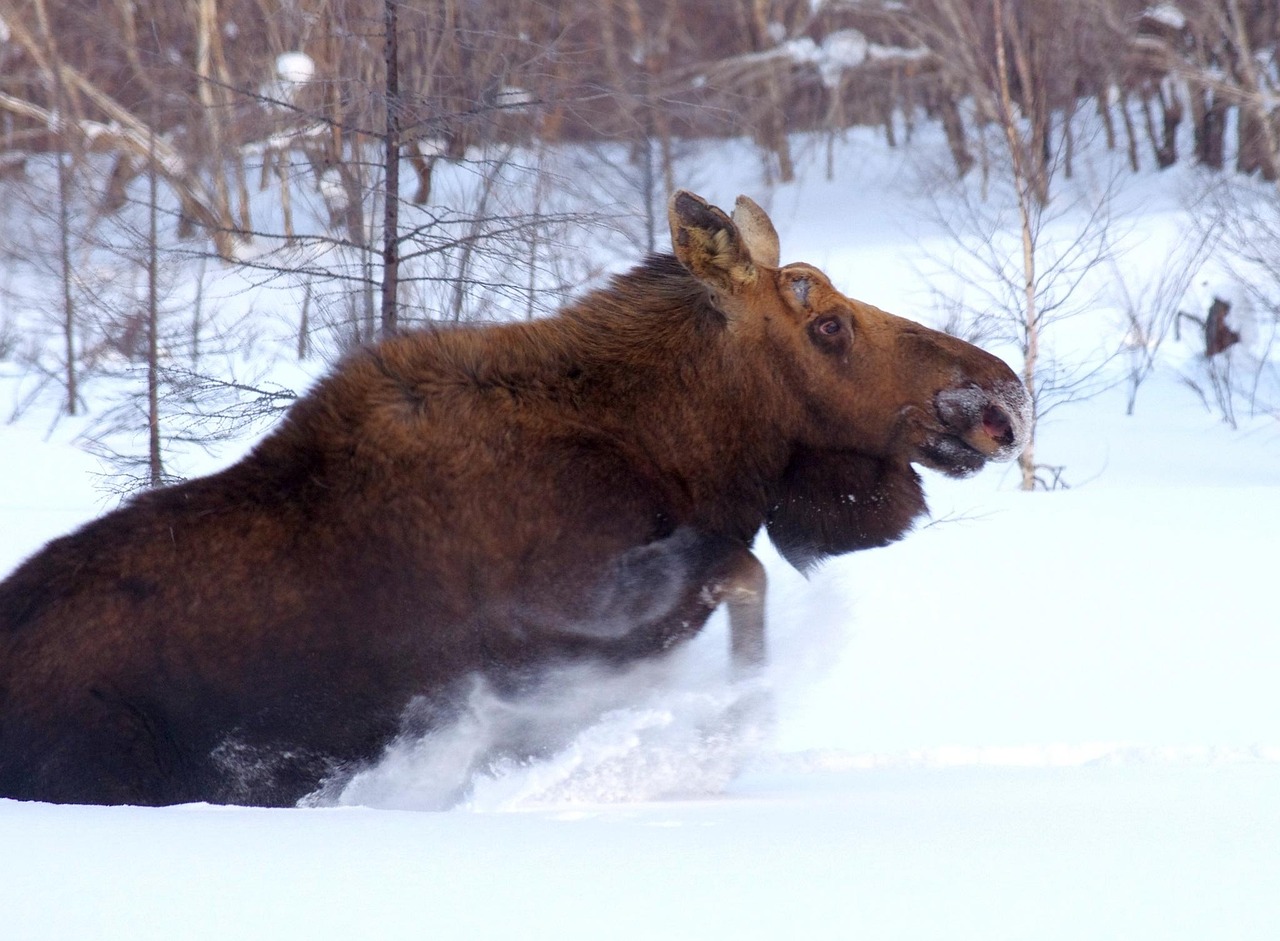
(874, 393)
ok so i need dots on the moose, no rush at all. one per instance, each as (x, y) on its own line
(484, 501)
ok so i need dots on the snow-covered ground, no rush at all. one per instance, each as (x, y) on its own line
(1050, 715)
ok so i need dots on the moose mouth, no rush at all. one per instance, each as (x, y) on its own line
(977, 426)
(951, 455)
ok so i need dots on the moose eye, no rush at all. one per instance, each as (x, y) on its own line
(830, 333)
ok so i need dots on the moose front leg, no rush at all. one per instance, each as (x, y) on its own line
(665, 590)
(742, 590)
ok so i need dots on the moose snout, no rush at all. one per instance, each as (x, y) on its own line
(993, 421)
(996, 423)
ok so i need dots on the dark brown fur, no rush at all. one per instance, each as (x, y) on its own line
(469, 501)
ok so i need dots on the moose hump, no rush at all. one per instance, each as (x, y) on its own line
(488, 501)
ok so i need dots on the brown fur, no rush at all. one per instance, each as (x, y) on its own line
(486, 500)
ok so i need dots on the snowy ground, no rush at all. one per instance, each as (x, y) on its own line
(1149, 852)
(1040, 716)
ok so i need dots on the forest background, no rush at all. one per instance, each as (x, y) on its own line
(148, 148)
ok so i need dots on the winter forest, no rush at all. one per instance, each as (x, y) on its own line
(390, 164)
(1051, 711)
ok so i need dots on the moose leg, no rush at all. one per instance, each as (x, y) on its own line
(738, 582)
(677, 582)
(742, 590)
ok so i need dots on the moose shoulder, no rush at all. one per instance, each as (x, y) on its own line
(492, 501)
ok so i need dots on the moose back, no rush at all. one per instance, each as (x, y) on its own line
(487, 501)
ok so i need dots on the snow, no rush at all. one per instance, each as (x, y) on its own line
(1050, 715)
(513, 97)
(877, 855)
(1167, 14)
(295, 68)
(841, 50)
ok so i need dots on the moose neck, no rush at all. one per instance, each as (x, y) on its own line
(661, 370)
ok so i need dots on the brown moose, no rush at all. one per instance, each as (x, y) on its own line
(485, 501)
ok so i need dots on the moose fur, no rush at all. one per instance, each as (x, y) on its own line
(485, 501)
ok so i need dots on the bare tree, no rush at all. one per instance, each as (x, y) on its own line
(65, 161)
(1008, 57)
(47, 245)
(1239, 365)
(412, 156)
(95, 114)
(1152, 302)
(1028, 267)
(155, 459)
(1031, 188)
(391, 143)
(1220, 55)
(66, 276)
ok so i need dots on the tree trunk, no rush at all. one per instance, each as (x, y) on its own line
(1027, 185)
(66, 272)
(1108, 124)
(1209, 112)
(1131, 136)
(212, 107)
(155, 462)
(391, 173)
(1171, 113)
(1252, 152)
(953, 127)
(1260, 99)
(304, 322)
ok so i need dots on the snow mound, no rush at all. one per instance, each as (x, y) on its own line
(584, 737)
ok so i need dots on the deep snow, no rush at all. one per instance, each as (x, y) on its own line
(1039, 716)
(1144, 852)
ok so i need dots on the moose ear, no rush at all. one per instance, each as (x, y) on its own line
(798, 282)
(757, 232)
(708, 243)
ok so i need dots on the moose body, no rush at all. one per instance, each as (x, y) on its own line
(486, 501)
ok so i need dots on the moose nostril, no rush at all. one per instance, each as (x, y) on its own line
(996, 424)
